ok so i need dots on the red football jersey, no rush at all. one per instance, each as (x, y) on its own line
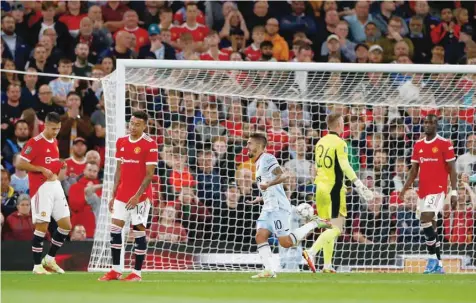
(199, 32)
(432, 157)
(134, 157)
(75, 167)
(142, 36)
(252, 53)
(208, 56)
(41, 152)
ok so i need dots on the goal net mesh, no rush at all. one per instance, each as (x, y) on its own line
(200, 219)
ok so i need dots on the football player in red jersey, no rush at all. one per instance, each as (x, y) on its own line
(40, 158)
(433, 157)
(136, 159)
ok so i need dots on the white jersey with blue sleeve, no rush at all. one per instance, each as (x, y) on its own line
(274, 197)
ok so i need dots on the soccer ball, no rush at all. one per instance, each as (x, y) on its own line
(305, 211)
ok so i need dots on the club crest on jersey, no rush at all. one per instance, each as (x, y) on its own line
(43, 214)
(434, 150)
(137, 150)
(28, 150)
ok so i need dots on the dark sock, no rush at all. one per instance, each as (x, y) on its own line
(430, 236)
(116, 244)
(37, 246)
(140, 249)
(57, 241)
(438, 250)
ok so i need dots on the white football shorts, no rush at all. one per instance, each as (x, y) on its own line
(49, 201)
(138, 214)
(431, 203)
(277, 222)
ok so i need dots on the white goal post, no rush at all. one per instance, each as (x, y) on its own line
(199, 220)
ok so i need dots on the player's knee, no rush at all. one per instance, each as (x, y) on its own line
(286, 242)
(261, 237)
(41, 226)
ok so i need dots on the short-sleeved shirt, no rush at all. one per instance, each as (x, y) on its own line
(75, 167)
(44, 153)
(134, 157)
(274, 197)
(432, 157)
(199, 32)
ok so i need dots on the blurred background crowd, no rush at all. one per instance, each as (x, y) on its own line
(204, 176)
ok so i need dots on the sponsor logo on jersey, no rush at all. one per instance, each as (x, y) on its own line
(420, 151)
(122, 148)
(28, 150)
(48, 160)
(137, 150)
(129, 161)
(434, 150)
(423, 160)
(48, 150)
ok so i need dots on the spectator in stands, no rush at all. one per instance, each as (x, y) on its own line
(459, 226)
(259, 15)
(82, 212)
(113, 15)
(234, 22)
(277, 137)
(299, 165)
(229, 219)
(121, 49)
(374, 223)
(280, 46)
(297, 20)
(150, 15)
(78, 233)
(331, 20)
(53, 53)
(400, 173)
(39, 62)
(177, 135)
(12, 109)
(48, 11)
(19, 226)
(347, 47)
(358, 20)
(422, 11)
(385, 15)
(456, 53)
(77, 162)
(99, 28)
(191, 25)
(107, 65)
(213, 53)
(131, 25)
(187, 45)
(393, 35)
(421, 40)
(408, 226)
(211, 126)
(372, 34)
(396, 142)
(253, 52)
(334, 49)
(9, 195)
(19, 179)
(208, 178)
(401, 48)
(73, 124)
(165, 19)
(295, 115)
(72, 17)
(7, 77)
(266, 50)
(461, 16)
(29, 91)
(157, 49)
(14, 145)
(87, 36)
(466, 163)
(93, 156)
(447, 31)
(168, 229)
(244, 181)
(15, 47)
(361, 53)
(35, 125)
(414, 122)
(454, 128)
(437, 55)
(61, 86)
(81, 66)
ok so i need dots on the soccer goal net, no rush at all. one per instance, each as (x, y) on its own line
(201, 116)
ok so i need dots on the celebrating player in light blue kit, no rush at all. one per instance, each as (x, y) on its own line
(276, 212)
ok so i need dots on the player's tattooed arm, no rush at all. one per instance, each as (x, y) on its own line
(411, 178)
(281, 176)
(147, 179)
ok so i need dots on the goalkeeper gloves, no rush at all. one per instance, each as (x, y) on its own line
(363, 191)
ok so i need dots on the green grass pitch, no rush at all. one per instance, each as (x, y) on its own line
(238, 287)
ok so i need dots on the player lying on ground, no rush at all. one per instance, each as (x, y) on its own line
(40, 158)
(275, 214)
(332, 164)
(432, 158)
(136, 158)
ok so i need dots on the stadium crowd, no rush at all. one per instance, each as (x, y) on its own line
(204, 176)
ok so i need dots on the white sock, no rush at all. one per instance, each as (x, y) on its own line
(49, 258)
(137, 272)
(264, 252)
(117, 268)
(300, 233)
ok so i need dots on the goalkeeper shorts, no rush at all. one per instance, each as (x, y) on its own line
(330, 201)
